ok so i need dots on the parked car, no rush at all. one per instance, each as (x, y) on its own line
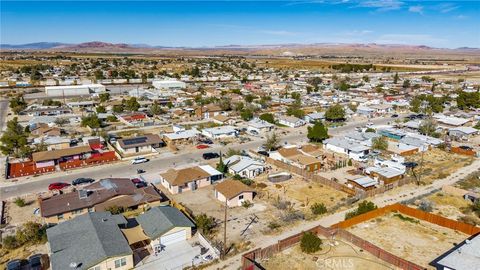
(15, 265)
(139, 171)
(82, 180)
(139, 160)
(202, 146)
(207, 141)
(394, 115)
(210, 155)
(264, 153)
(58, 186)
(35, 262)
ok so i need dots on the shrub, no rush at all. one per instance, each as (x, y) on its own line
(115, 209)
(273, 225)
(362, 208)
(20, 202)
(426, 206)
(205, 223)
(310, 243)
(247, 204)
(318, 208)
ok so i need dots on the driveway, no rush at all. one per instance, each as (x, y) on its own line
(175, 256)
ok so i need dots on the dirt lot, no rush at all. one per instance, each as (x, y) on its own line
(203, 201)
(453, 207)
(301, 193)
(439, 164)
(16, 215)
(339, 255)
(414, 240)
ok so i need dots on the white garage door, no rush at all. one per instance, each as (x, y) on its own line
(173, 237)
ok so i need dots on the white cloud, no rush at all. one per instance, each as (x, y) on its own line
(416, 9)
(356, 33)
(382, 5)
(446, 7)
(461, 17)
(410, 39)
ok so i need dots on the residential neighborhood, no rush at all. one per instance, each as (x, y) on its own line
(296, 154)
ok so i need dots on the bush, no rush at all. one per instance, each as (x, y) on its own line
(205, 223)
(310, 243)
(20, 202)
(318, 208)
(362, 208)
(115, 209)
(273, 225)
(247, 204)
(10, 242)
(426, 206)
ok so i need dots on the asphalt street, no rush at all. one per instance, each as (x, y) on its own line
(29, 185)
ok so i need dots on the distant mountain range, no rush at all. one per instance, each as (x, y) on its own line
(290, 49)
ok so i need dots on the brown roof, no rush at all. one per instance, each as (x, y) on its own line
(58, 153)
(221, 118)
(150, 139)
(288, 152)
(304, 159)
(101, 194)
(183, 176)
(231, 188)
(211, 108)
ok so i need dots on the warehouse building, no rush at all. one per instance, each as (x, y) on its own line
(74, 90)
(168, 84)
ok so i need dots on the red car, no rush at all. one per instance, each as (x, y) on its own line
(57, 186)
(202, 146)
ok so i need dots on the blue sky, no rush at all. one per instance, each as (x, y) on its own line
(434, 23)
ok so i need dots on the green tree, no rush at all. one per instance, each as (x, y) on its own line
(117, 108)
(246, 114)
(61, 121)
(318, 132)
(104, 97)
(363, 207)
(380, 143)
(156, 109)
(205, 223)
(272, 142)
(372, 130)
(101, 109)
(20, 202)
(91, 121)
(406, 83)
(395, 78)
(221, 166)
(335, 113)
(310, 243)
(131, 104)
(14, 139)
(18, 104)
(268, 117)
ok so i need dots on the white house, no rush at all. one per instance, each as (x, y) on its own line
(313, 117)
(168, 84)
(291, 121)
(244, 166)
(74, 90)
(259, 126)
(352, 149)
(220, 132)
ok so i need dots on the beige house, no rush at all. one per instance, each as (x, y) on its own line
(233, 192)
(144, 144)
(187, 179)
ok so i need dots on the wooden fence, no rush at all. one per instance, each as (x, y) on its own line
(250, 260)
(312, 176)
(419, 214)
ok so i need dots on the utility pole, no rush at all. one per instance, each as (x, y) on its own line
(224, 253)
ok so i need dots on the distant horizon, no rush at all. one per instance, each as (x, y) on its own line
(146, 45)
(195, 24)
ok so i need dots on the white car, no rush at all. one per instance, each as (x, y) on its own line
(139, 160)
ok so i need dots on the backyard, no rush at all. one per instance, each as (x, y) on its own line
(414, 240)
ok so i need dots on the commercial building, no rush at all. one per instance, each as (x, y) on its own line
(168, 84)
(74, 90)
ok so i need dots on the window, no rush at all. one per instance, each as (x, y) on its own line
(120, 262)
(76, 212)
(90, 209)
(60, 216)
(95, 268)
(240, 197)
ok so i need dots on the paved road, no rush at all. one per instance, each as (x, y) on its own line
(3, 113)
(28, 185)
(402, 194)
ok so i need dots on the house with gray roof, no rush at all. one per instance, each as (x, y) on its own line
(352, 149)
(465, 255)
(244, 166)
(90, 241)
(165, 225)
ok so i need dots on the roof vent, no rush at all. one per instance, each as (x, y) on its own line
(104, 220)
(83, 193)
(74, 265)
